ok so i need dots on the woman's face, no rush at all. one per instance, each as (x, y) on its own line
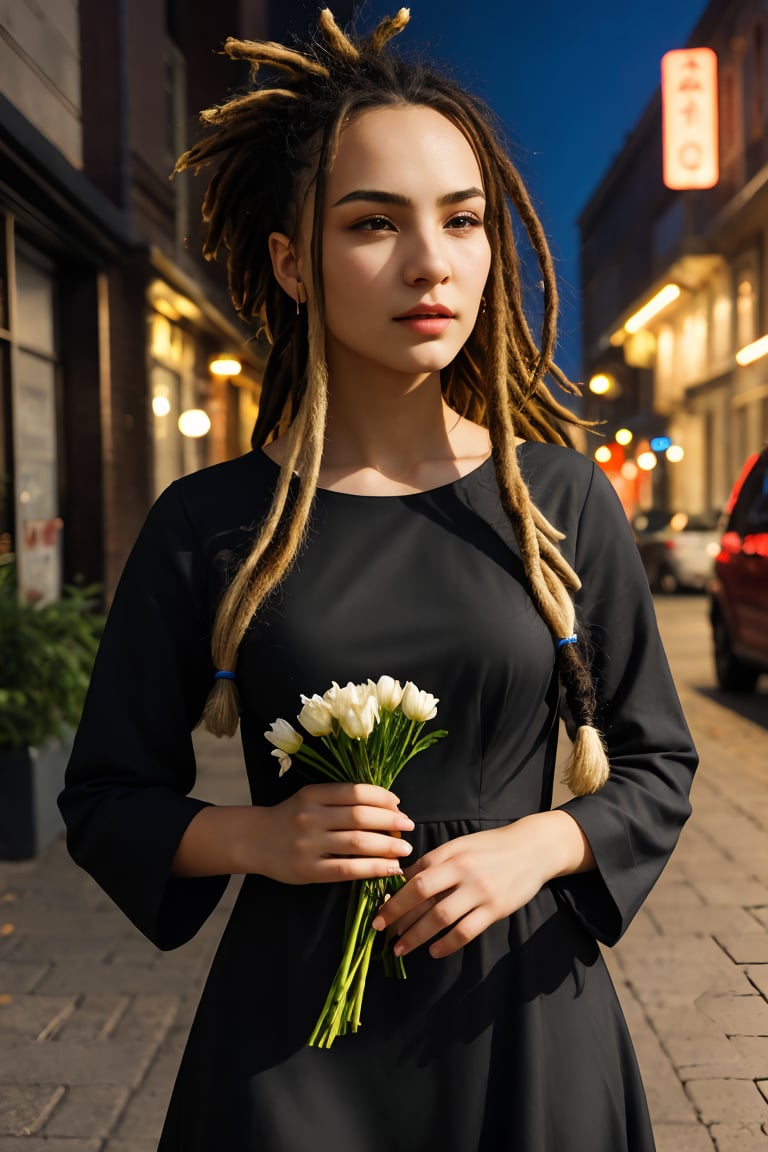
(405, 253)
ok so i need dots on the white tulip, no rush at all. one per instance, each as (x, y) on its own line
(284, 736)
(339, 700)
(316, 716)
(356, 708)
(389, 693)
(330, 695)
(417, 704)
(284, 760)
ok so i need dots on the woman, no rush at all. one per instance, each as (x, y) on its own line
(409, 508)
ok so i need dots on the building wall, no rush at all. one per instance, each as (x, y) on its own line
(40, 69)
(713, 244)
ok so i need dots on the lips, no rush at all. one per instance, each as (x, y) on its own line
(426, 311)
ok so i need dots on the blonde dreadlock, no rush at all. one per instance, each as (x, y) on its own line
(274, 145)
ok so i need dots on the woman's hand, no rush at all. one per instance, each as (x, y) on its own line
(329, 832)
(471, 882)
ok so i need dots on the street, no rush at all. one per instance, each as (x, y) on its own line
(93, 1018)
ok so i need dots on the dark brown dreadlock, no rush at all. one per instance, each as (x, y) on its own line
(275, 145)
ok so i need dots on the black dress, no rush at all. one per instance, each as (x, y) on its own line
(515, 1044)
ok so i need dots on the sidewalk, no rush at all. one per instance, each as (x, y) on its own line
(93, 1019)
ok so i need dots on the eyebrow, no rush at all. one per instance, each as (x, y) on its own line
(375, 196)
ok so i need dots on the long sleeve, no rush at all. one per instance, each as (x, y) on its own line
(634, 822)
(125, 799)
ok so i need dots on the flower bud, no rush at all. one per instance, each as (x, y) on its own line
(316, 716)
(284, 736)
(389, 693)
(357, 711)
(418, 705)
(283, 759)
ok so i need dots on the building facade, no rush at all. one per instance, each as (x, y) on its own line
(109, 316)
(672, 380)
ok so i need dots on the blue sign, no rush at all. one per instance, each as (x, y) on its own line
(661, 443)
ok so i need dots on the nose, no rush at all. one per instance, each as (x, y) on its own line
(426, 262)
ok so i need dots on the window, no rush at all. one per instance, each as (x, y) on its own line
(721, 329)
(756, 79)
(727, 114)
(746, 309)
(34, 403)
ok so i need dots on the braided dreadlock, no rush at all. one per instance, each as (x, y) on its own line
(275, 145)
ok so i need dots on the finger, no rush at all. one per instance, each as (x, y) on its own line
(424, 885)
(365, 816)
(401, 926)
(363, 843)
(468, 928)
(344, 794)
(335, 868)
(442, 914)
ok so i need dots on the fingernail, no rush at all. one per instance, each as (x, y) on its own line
(395, 869)
(405, 848)
(378, 923)
(399, 949)
(405, 823)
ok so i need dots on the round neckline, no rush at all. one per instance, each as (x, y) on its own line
(334, 493)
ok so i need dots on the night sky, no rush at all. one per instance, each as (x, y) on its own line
(569, 79)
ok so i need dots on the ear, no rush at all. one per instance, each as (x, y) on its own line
(286, 265)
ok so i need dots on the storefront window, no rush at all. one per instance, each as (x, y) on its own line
(34, 416)
(746, 310)
(4, 225)
(6, 459)
(174, 390)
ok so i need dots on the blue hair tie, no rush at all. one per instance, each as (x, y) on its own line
(567, 640)
(224, 676)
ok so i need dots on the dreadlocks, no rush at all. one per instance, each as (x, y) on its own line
(274, 146)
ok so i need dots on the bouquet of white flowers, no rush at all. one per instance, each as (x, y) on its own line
(369, 733)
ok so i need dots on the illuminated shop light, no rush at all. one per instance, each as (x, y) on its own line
(161, 405)
(660, 443)
(656, 304)
(675, 453)
(600, 384)
(629, 470)
(623, 437)
(603, 454)
(751, 352)
(646, 461)
(194, 423)
(225, 366)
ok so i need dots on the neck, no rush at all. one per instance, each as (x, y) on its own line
(384, 420)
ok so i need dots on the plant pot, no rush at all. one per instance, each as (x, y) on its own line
(30, 781)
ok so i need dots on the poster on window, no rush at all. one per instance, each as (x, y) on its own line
(39, 527)
(40, 545)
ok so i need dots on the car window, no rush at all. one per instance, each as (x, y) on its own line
(750, 513)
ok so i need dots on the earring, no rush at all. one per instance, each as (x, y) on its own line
(483, 306)
(300, 292)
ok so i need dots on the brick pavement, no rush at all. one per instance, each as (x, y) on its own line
(93, 1018)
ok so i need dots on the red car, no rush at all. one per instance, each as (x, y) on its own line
(739, 590)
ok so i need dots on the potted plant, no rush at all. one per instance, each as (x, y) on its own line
(46, 656)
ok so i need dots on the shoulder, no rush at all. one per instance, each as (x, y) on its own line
(559, 480)
(542, 462)
(247, 473)
(215, 499)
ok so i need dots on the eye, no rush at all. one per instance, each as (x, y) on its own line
(464, 221)
(373, 224)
